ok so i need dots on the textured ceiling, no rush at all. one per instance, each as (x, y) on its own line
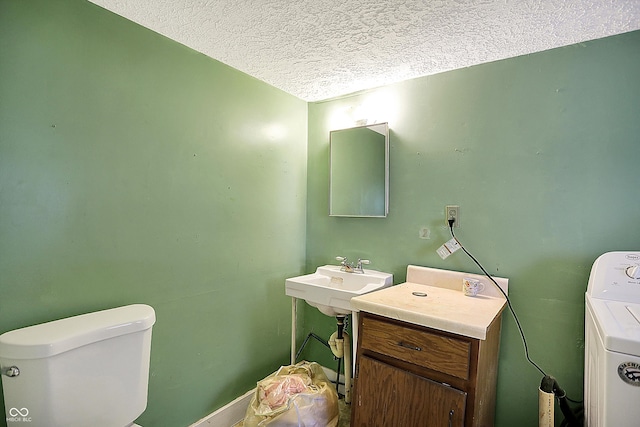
(319, 49)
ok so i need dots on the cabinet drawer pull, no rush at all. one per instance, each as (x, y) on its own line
(451, 418)
(409, 346)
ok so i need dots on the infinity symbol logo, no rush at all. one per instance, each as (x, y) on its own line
(14, 412)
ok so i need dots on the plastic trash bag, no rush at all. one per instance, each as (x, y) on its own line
(294, 396)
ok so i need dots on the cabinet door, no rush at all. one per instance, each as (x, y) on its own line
(390, 397)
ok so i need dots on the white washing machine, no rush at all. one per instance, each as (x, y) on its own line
(612, 342)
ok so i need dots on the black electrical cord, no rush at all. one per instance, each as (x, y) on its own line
(513, 313)
(574, 417)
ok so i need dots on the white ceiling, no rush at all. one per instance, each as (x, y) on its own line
(319, 49)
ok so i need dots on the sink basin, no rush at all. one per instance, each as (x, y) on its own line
(330, 290)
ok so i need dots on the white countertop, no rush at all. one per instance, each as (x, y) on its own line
(445, 307)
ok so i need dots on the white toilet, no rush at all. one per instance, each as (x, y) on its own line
(87, 370)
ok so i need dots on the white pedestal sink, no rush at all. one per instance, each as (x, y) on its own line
(330, 291)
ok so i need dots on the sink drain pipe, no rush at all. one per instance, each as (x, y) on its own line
(341, 348)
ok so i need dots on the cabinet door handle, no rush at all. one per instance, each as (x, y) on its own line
(451, 418)
(409, 346)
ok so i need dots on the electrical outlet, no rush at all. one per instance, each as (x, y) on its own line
(452, 212)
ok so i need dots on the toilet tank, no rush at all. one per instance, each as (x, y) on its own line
(87, 370)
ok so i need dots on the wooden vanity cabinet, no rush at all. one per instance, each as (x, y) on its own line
(412, 376)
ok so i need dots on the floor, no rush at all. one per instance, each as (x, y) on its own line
(344, 418)
(345, 414)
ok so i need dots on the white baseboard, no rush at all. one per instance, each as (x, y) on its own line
(331, 375)
(229, 415)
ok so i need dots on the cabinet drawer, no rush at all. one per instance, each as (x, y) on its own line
(428, 349)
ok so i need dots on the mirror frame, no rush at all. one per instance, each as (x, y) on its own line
(383, 129)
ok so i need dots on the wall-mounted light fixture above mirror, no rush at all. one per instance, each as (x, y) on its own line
(359, 171)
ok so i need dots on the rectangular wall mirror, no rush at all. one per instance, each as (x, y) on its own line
(359, 171)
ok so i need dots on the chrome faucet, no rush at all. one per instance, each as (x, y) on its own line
(345, 265)
(358, 267)
(348, 267)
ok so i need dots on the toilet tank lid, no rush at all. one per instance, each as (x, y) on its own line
(58, 336)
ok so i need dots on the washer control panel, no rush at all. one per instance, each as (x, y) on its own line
(633, 271)
(616, 276)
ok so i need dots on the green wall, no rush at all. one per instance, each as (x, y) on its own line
(541, 153)
(133, 169)
(136, 170)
